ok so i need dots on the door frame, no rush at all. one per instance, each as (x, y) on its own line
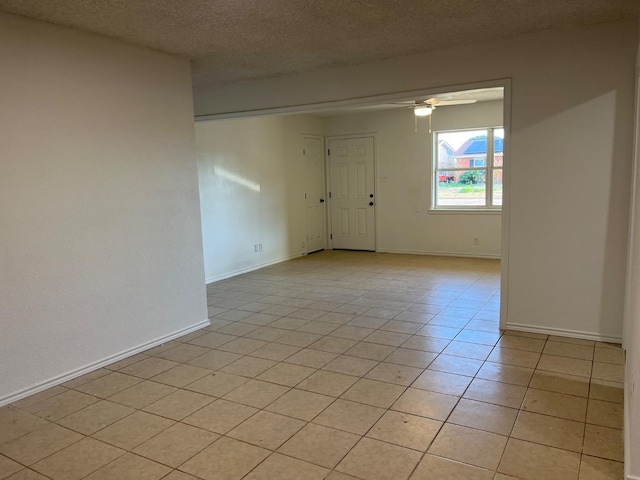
(323, 147)
(376, 192)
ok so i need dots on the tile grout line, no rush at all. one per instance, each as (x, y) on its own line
(391, 293)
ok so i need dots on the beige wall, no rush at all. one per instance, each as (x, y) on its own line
(571, 117)
(252, 187)
(100, 244)
(632, 313)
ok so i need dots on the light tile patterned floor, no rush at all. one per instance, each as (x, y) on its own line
(337, 366)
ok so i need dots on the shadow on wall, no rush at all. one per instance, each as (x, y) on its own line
(569, 218)
(615, 260)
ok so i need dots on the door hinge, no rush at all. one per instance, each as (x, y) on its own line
(305, 196)
(329, 194)
(331, 236)
(304, 152)
(328, 151)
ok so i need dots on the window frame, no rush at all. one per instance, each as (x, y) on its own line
(489, 170)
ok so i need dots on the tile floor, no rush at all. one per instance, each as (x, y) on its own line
(337, 366)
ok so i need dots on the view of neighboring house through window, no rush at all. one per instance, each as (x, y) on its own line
(468, 169)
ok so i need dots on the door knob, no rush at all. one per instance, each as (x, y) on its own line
(322, 200)
(371, 204)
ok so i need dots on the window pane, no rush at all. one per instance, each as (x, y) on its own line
(498, 146)
(497, 187)
(463, 149)
(461, 188)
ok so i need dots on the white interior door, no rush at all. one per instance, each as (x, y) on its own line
(351, 166)
(315, 194)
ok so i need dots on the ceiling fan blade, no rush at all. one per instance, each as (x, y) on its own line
(453, 102)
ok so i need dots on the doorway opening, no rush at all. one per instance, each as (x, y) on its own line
(376, 186)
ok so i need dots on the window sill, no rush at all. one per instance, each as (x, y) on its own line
(465, 211)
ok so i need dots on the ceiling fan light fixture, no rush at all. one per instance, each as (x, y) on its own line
(422, 110)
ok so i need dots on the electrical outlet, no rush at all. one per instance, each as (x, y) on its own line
(255, 248)
(260, 246)
(476, 241)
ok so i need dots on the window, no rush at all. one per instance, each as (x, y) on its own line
(467, 170)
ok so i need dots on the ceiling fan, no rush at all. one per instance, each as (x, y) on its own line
(424, 108)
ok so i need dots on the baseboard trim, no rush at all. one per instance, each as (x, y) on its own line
(632, 477)
(563, 332)
(252, 268)
(14, 397)
(439, 254)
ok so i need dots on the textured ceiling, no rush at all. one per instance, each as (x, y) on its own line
(232, 40)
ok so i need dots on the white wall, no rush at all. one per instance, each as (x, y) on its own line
(571, 117)
(632, 398)
(252, 185)
(403, 183)
(100, 242)
(632, 312)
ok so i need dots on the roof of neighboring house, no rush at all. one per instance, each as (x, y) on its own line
(478, 146)
(445, 144)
